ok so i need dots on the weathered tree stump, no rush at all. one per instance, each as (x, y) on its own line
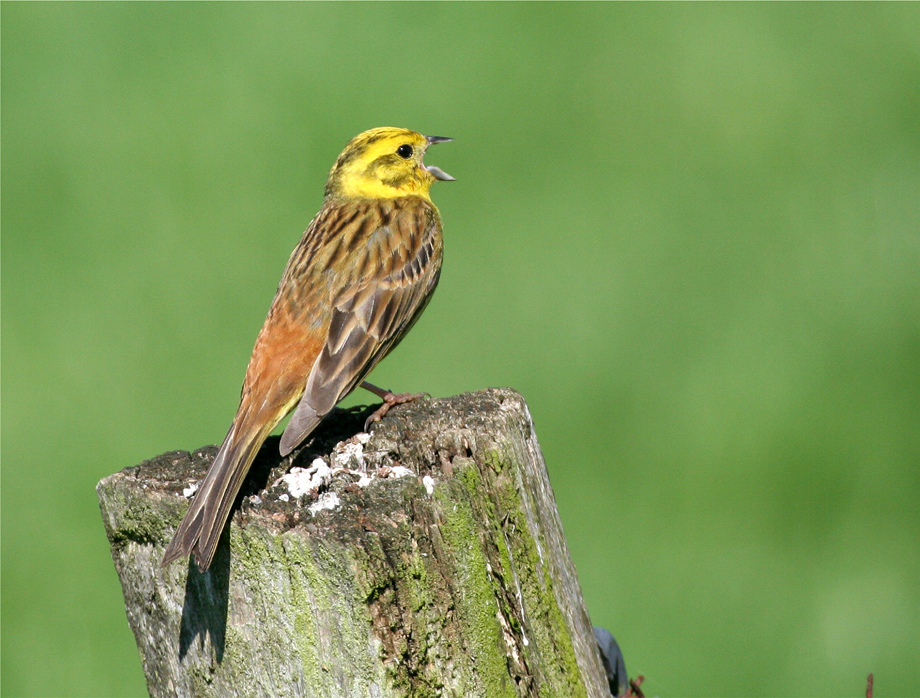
(425, 559)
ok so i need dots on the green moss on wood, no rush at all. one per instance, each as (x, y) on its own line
(526, 583)
(476, 605)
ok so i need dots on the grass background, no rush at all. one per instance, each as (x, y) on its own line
(688, 234)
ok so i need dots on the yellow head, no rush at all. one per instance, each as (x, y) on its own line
(384, 163)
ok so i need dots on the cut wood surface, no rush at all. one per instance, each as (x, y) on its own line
(424, 559)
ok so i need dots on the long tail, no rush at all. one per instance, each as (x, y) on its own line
(204, 521)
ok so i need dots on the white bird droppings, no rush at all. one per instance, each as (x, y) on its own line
(348, 455)
(399, 471)
(330, 500)
(301, 481)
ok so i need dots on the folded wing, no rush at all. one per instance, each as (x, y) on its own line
(391, 281)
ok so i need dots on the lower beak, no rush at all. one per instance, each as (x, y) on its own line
(437, 172)
(440, 174)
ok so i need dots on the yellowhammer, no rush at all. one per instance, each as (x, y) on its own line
(355, 284)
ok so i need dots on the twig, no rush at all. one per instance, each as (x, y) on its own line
(634, 691)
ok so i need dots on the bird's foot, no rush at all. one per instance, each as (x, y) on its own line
(389, 399)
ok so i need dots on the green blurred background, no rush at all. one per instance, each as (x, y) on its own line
(688, 234)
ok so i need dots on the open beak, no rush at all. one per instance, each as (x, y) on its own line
(437, 172)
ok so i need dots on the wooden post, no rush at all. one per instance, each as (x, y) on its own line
(424, 559)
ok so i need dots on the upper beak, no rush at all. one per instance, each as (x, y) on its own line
(437, 171)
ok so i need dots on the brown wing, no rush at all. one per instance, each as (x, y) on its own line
(395, 270)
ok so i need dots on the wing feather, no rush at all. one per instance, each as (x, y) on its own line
(395, 271)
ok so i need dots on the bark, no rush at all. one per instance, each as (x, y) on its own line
(430, 561)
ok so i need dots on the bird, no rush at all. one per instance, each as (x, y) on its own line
(364, 270)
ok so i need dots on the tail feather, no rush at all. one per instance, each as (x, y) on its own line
(302, 424)
(204, 521)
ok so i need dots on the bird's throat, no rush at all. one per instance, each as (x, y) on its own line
(364, 187)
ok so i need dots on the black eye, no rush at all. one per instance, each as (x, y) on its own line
(404, 151)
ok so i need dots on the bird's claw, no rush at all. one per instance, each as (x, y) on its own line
(389, 400)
